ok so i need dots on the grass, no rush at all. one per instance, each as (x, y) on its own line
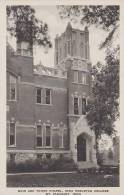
(63, 180)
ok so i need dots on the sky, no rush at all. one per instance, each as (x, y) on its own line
(50, 15)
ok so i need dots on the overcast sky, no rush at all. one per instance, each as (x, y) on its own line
(50, 15)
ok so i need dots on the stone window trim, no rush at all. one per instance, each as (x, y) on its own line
(12, 84)
(14, 134)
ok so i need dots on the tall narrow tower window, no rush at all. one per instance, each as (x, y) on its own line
(82, 50)
(75, 76)
(69, 46)
(84, 106)
(84, 78)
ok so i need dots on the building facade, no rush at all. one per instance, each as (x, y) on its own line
(46, 106)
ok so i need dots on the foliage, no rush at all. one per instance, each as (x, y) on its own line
(103, 108)
(42, 165)
(104, 17)
(23, 24)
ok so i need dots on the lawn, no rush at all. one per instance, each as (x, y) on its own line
(65, 180)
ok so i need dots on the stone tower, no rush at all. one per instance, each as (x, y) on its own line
(72, 54)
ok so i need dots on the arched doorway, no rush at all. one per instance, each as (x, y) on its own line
(81, 148)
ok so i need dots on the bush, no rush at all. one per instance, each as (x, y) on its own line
(38, 165)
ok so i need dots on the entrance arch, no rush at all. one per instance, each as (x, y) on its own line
(81, 148)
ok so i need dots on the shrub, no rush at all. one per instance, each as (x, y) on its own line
(38, 165)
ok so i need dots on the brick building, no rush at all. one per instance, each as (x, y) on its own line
(46, 106)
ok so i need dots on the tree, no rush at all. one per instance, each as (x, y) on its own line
(104, 17)
(103, 107)
(22, 24)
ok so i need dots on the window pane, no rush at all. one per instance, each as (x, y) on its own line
(47, 135)
(38, 95)
(12, 128)
(75, 76)
(13, 93)
(12, 140)
(47, 141)
(83, 78)
(47, 96)
(75, 105)
(83, 106)
(39, 141)
(39, 130)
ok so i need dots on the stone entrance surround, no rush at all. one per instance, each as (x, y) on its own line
(81, 128)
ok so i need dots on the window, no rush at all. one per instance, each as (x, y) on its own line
(39, 98)
(82, 50)
(48, 94)
(75, 105)
(56, 57)
(75, 76)
(65, 50)
(61, 139)
(13, 90)
(12, 134)
(84, 78)
(83, 105)
(74, 47)
(48, 135)
(39, 136)
(69, 47)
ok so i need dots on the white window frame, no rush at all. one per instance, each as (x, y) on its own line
(39, 136)
(14, 145)
(10, 87)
